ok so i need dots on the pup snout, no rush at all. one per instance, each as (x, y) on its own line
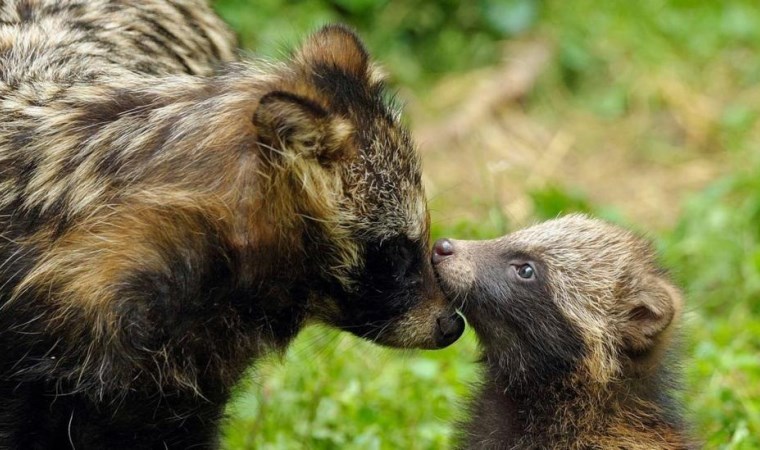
(442, 249)
(449, 329)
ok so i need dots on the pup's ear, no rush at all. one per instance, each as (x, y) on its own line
(648, 314)
(287, 123)
(335, 46)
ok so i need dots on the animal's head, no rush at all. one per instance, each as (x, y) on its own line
(355, 180)
(572, 294)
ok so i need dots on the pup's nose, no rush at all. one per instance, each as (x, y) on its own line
(441, 249)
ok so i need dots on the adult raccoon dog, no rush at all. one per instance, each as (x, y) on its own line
(168, 214)
(576, 321)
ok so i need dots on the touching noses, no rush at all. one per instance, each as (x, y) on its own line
(442, 249)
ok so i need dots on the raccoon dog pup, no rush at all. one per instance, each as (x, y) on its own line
(576, 322)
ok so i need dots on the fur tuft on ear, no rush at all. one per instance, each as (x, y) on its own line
(335, 46)
(649, 314)
(289, 123)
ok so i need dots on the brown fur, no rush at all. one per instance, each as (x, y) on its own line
(578, 355)
(168, 214)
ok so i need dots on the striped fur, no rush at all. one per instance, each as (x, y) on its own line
(168, 214)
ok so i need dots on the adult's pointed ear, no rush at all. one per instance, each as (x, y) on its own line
(335, 46)
(289, 124)
(649, 314)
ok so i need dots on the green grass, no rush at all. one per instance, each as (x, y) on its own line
(418, 39)
(715, 252)
(332, 390)
(618, 61)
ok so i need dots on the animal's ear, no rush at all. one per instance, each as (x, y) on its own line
(289, 124)
(335, 46)
(648, 314)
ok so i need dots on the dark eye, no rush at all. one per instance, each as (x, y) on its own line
(525, 271)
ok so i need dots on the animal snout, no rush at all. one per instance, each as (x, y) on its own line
(448, 330)
(442, 249)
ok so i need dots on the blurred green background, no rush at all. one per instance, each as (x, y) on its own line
(648, 112)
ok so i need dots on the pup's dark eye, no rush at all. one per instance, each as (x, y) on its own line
(525, 271)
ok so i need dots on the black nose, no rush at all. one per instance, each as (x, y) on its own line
(449, 329)
(441, 249)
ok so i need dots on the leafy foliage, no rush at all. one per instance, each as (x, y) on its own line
(554, 201)
(333, 390)
(715, 253)
(417, 39)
